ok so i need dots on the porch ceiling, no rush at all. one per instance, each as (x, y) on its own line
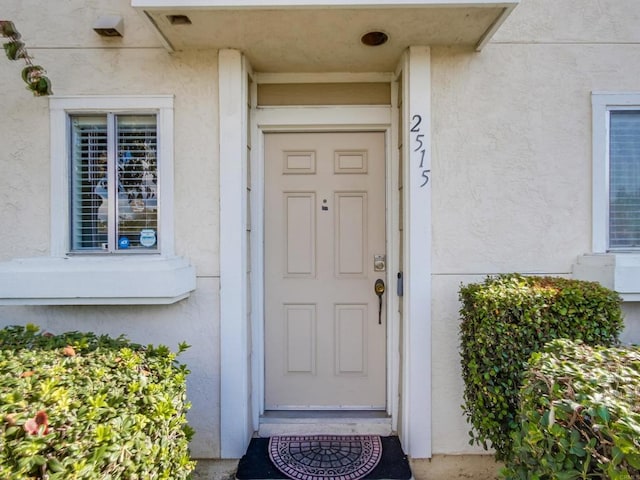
(324, 36)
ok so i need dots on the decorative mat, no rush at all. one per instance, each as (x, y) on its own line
(325, 457)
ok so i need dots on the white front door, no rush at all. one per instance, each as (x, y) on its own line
(325, 336)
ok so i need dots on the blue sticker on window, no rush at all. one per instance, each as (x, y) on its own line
(123, 242)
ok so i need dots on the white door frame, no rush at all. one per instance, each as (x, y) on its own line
(323, 119)
(241, 350)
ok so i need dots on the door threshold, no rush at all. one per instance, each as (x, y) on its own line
(324, 422)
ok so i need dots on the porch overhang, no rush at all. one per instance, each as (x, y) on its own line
(323, 35)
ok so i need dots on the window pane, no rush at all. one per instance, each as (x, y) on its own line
(89, 182)
(624, 187)
(137, 174)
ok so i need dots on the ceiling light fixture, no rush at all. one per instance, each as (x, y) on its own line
(179, 20)
(374, 38)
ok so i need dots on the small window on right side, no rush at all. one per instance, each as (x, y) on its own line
(616, 172)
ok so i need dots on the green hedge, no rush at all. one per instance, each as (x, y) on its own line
(580, 415)
(80, 406)
(507, 318)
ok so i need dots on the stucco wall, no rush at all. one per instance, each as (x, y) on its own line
(512, 163)
(79, 62)
(511, 168)
(193, 321)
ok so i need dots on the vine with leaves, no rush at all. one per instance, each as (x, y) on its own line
(33, 75)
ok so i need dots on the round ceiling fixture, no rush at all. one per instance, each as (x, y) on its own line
(374, 38)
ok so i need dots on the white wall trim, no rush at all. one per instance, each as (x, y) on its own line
(416, 397)
(235, 420)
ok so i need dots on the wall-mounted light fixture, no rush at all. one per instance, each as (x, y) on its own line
(109, 26)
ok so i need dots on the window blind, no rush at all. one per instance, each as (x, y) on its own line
(137, 174)
(624, 180)
(114, 156)
(89, 184)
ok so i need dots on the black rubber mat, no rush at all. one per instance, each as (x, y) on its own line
(256, 465)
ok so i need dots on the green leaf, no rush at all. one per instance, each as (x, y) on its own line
(603, 413)
(54, 465)
(567, 475)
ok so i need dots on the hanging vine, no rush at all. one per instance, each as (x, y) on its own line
(33, 75)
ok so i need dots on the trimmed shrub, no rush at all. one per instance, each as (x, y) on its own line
(580, 415)
(80, 406)
(507, 318)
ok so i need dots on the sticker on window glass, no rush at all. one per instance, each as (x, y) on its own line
(123, 242)
(148, 237)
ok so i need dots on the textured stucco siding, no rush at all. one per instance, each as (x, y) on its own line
(511, 172)
(193, 321)
(79, 62)
(512, 163)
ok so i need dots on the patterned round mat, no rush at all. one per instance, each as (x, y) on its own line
(325, 457)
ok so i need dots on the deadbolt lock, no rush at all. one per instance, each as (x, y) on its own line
(379, 263)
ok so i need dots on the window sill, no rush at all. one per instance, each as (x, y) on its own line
(125, 280)
(617, 271)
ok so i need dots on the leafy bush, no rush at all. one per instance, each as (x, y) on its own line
(80, 406)
(580, 415)
(507, 318)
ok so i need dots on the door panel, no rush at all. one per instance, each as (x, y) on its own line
(325, 346)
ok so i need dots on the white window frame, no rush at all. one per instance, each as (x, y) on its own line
(603, 103)
(618, 270)
(60, 110)
(111, 278)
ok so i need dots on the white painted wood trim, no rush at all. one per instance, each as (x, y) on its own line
(351, 77)
(236, 4)
(600, 173)
(295, 119)
(393, 263)
(235, 421)
(416, 397)
(257, 256)
(59, 141)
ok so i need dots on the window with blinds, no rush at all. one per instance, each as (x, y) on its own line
(624, 180)
(114, 183)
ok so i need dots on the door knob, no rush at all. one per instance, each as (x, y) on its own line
(379, 288)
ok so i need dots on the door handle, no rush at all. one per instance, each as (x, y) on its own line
(379, 288)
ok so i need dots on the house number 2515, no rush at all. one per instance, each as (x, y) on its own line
(418, 145)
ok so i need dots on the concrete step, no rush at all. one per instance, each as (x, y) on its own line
(342, 422)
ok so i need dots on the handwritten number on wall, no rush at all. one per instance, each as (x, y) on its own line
(416, 120)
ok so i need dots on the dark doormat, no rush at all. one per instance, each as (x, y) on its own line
(256, 464)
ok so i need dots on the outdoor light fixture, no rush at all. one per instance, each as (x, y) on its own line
(179, 20)
(374, 38)
(109, 26)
